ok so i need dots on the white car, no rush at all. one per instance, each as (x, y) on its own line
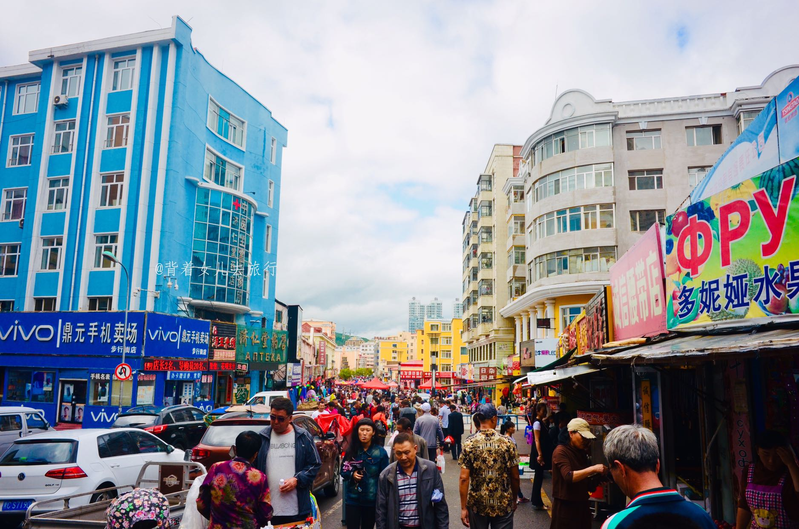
(266, 397)
(55, 464)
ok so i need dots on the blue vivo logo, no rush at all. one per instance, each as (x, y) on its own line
(43, 333)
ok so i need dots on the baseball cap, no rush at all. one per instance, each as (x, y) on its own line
(425, 407)
(581, 426)
(488, 411)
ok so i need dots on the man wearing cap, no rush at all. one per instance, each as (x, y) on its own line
(573, 479)
(429, 428)
(489, 480)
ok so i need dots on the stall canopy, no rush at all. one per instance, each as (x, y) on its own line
(701, 348)
(552, 376)
(374, 384)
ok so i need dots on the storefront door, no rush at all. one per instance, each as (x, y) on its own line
(187, 392)
(72, 400)
(223, 389)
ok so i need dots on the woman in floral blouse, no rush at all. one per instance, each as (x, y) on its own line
(363, 463)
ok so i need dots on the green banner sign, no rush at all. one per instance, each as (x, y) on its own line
(257, 347)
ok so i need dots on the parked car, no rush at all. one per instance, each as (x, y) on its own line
(221, 436)
(20, 421)
(55, 464)
(181, 426)
(266, 397)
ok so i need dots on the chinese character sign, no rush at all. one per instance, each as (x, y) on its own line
(733, 256)
(255, 344)
(223, 341)
(636, 282)
(596, 318)
(173, 336)
(546, 351)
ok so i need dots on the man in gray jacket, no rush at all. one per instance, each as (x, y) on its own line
(404, 426)
(428, 427)
(410, 492)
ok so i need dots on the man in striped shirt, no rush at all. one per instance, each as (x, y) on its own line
(410, 492)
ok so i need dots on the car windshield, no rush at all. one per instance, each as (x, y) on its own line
(49, 452)
(225, 435)
(135, 420)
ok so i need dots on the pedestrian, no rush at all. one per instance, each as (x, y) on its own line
(408, 411)
(489, 480)
(410, 491)
(456, 431)
(428, 427)
(381, 425)
(321, 409)
(508, 429)
(634, 458)
(540, 454)
(404, 426)
(364, 460)
(290, 461)
(573, 479)
(234, 493)
(443, 415)
(771, 485)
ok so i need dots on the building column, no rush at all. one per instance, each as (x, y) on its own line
(539, 312)
(550, 313)
(523, 323)
(518, 336)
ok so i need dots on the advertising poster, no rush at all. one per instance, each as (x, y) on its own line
(733, 256)
(546, 351)
(787, 122)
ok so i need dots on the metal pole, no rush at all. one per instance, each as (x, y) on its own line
(124, 332)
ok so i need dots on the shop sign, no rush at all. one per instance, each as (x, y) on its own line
(258, 345)
(321, 354)
(646, 404)
(411, 375)
(184, 375)
(527, 353)
(787, 122)
(101, 376)
(596, 319)
(546, 351)
(582, 335)
(294, 371)
(176, 337)
(71, 333)
(486, 374)
(213, 365)
(173, 365)
(146, 377)
(223, 341)
(732, 256)
(636, 282)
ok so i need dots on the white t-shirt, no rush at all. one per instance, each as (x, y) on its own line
(317, 413)
(280, 465)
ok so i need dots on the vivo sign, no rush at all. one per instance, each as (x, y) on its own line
(76, 333)
(176, 337)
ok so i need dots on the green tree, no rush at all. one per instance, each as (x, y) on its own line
(363, 372)
(345, 374)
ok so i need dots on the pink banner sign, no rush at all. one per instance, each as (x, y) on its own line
(637, 288)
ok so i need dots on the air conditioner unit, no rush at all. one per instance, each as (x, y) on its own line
(60, 100)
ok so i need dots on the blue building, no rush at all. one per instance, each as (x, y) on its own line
(137, 146)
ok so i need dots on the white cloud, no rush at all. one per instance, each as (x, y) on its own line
(392, 109)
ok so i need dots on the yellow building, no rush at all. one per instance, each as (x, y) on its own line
(440, 342)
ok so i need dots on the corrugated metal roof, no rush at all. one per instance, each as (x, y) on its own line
(701, 348)
(543, 378)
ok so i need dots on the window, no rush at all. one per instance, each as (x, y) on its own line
(567, 315)
(649, 179)
(696, 175)
(516, 256)
(273, 151)
(19, 150)
(11, 423)
(270, 198)
(698, 136)
(517, 227)
(117, 131)
(644, 140)
(57, 193)
(6, 305)
(221, 172)
(486, 261)
(225, 124)
(99, 389)
(123, 74)
(9, 261)
(572, 140)
(485, 208)
(486, 234)
(14, 201)
(644, 219)
(30, 386)
(746, 118)
(575, 219)
(104, 243)
(485, 183)
(64, 136)
(44, 304)
(100, 304)
(265, 294)
(111, 190)
(583, 177)
(70, 81)
(575, 261)
(51, 252)
(27, 101)
(517, 194)
(145, 394)
(516, 288)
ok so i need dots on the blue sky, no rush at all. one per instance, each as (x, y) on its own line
(393, 107)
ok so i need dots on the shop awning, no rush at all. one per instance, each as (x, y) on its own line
(701, 348)
(551, 376)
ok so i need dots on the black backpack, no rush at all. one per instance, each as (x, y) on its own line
(380, 428)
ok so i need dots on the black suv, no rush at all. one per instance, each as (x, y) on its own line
(181, 426)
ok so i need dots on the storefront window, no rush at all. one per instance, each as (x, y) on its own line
(206, 385)
(146, 392)
(30, 386)
(127, 391)
(99, 389)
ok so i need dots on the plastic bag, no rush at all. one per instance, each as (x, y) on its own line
(440, 463)
(192, 519)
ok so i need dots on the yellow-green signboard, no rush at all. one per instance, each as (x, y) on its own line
(260, 348)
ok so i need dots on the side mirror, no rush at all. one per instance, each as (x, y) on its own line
(170, 449)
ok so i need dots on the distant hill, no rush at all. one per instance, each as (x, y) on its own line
(341, 339)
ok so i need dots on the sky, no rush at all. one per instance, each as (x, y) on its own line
(393, 108)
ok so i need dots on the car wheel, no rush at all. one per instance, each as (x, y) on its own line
(103, 496)
(332, 489)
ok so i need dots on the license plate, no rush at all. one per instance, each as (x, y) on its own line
(21, 505)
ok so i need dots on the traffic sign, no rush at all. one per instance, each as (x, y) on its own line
(123, 372)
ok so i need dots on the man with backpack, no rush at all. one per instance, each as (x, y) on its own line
(381, 425)
(408, 411)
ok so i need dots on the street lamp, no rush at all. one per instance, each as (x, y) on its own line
(111, 257)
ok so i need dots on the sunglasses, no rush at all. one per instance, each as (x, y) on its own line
(278, 418)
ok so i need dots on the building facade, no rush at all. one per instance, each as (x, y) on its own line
(433, 310)
(457, 309)
(594, 178)
(487, 334)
